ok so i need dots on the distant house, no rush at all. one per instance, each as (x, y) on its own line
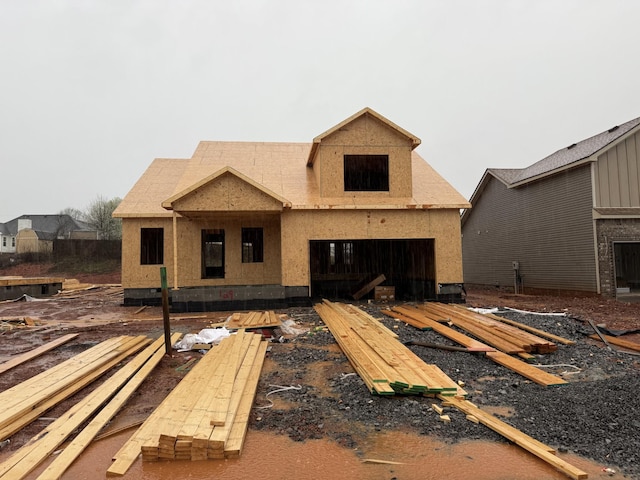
(36, 233)
(568, 222)
(253, 224)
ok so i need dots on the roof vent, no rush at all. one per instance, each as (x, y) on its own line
(571, 146)
(613, 129)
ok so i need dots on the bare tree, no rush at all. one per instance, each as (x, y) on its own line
(98, 216)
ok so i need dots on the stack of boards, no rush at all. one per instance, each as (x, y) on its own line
(385, 365)
(206, 415)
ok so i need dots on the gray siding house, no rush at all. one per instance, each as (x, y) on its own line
(570, 222)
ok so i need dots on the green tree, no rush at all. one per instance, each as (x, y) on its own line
(99, 216)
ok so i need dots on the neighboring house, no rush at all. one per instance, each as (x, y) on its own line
(568, 222)
(250, 225)
(36, 233)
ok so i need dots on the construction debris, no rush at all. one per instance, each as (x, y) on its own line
(251, 320)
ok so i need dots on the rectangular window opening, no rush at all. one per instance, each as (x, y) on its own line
(151, 246)
(213, 253)
(252, 245)
(366, 173)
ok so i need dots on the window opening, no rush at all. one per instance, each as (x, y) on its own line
(366, 173)
(213, 253)
(252, 245)
(151, 246)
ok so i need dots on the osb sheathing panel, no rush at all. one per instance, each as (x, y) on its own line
(227, 193)
(364, 136)
(189, 252)
(281, 168)
(135, 275)
(298, 227)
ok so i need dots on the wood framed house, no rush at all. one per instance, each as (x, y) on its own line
(257, 225)
(570, 222)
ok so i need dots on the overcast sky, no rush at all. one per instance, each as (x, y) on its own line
(92, 91)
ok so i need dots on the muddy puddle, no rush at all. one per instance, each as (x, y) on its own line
(273, 457)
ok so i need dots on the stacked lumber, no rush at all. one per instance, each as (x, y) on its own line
(23, 403)
(385, 365)
(125, 381)
(506, 338)
(528, 371)
(250, 320)
(207, 414)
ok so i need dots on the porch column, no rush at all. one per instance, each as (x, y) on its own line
(175, 250)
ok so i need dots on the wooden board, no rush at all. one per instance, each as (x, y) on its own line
(19, 359)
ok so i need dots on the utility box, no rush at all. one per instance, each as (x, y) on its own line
(385, 293)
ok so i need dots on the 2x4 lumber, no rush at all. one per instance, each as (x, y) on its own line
(464, 322)
(528, 371)
(20, 359)
(220, 434)
(448, 332)
(368, 287)
(27, 409)
(508, 331)
(533, 330)
(144, 363)
(238, 432)
(619, 342)
(518, 437)
(24, 460)
(406, 319)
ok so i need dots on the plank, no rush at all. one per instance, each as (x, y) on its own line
(27, 458)
(20, 359)
(144, 363)
(368, 287)
(620, 342)
(521, 439)
(528, 371)
(533, 330)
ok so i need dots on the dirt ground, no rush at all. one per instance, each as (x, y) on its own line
(96, 313)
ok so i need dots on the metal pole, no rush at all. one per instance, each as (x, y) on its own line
(165, 310)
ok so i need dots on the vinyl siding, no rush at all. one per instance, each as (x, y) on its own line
(546, 226)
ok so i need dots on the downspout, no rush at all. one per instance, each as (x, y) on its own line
(175, 250)
(595, 230)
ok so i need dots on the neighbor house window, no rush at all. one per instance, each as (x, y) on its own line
(366, 173)
(252, 245)
(151, 246)
(212, 253)
(13, 241)
(4, 241)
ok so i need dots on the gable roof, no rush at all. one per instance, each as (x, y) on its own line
(575, 154)
(568, 156)
(415, 141)
(279, 170)
(168, 204)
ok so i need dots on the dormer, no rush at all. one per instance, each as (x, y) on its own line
(364, 156)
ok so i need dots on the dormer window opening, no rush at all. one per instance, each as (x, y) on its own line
(366, 173)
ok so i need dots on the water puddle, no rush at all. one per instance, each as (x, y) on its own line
(274, 457)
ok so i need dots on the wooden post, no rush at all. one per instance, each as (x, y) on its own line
(165, 310)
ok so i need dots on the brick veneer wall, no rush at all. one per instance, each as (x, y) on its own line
(609, 231)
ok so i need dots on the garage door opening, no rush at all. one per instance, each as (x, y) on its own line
(340, 267)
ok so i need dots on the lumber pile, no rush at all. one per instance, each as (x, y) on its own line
(428, 317)
(489, 329)
(23, 403)
(385, 365)
(207, 414)
(251, 320)
(125, 381)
